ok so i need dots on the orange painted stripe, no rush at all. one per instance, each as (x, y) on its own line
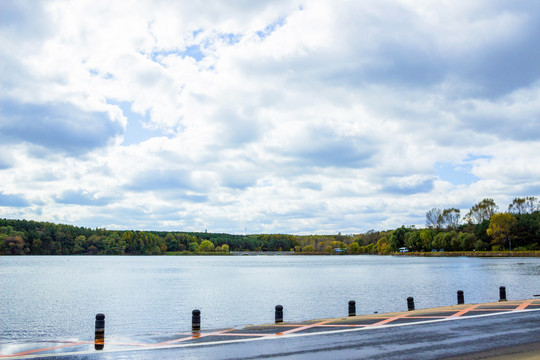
(524, 305)
(300, 328)
(47, 349)
(194, 336)
(464, 311)
(126, 344)
(245, 334)
(386, 321)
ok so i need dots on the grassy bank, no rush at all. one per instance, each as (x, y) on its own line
(213, 253)
(474, 253)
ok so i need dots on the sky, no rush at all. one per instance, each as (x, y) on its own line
(298, 117)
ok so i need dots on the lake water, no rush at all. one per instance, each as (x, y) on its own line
(56, 297)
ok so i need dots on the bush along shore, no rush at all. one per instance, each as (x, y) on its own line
(483, 231)
(473, 253)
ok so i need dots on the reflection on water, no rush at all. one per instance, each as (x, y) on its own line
(57, 297)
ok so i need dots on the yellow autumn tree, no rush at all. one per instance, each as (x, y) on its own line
(500, 227)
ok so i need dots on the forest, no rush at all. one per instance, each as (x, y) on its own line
(483, 228)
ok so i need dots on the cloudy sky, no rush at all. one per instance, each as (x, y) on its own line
(265, 116)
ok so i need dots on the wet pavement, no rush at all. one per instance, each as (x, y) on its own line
(419, 334)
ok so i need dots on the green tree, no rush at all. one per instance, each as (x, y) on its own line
(397, 239)
(308, 248)
(500, 226)
(79, 246)
(467, 241)
(206, 246)
(225, 248)
(445, 240)
(13, 245)
(413, 240)
(171, 242)
(526, 233)
(193, 246)
(354, 247)
(383, 246)
(481, 245)
(426, 238)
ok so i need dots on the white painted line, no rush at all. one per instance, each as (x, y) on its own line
(265, 338)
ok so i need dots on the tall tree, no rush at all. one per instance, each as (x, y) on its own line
(450, 218)
(484, 210)
(526, 205)
(500, 227)
(434, 218)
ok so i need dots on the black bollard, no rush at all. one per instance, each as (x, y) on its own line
(352, 308)
(460, 297)
(410, 303)
(99, 341)
(279, 314)
(502, 293)
(196, 320)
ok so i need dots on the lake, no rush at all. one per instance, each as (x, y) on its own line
(57, 297)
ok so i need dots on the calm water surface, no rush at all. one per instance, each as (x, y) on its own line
(56, 297)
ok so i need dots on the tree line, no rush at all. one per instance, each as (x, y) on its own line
(484, 228)
(27, 237)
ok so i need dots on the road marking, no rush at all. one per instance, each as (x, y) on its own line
(171, 344)
(246, 334)
(390, 319)
(22, 353)
(524, 305)
(194, 336)
(464, 311)
(304, 327)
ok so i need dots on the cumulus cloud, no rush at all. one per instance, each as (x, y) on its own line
(281, 116)
(82, 198)
(12, 200)
(58, 127)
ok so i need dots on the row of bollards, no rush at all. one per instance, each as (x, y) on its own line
(99, 342)
(460, 298)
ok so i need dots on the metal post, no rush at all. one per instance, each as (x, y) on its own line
(196, 320)
(502, 293)
(460, 297)
(352, 308)
(99, 341)
(279, 314)
(410, 303)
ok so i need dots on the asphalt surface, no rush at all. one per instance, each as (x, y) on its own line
(509, 330)
(466, 338)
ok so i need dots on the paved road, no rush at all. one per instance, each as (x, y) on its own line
(479, 337)
(469, 331)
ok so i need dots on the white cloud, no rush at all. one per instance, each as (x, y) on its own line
(276, 116)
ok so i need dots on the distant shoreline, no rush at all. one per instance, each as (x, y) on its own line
(490, 254)
(424, 254)
(473, 254)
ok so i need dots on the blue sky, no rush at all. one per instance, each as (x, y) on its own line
(272, 116)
